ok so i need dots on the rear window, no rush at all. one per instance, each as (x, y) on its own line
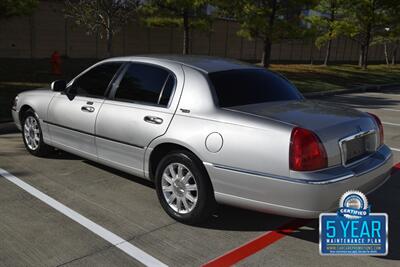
(251, 86)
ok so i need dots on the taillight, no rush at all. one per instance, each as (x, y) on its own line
(379, 123)
(306, 151)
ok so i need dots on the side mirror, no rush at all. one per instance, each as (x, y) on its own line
(71, 92)
(58, 86)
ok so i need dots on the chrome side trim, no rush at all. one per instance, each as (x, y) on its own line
(94, 135)
(279, 177)
(331, 180)
(219, 195)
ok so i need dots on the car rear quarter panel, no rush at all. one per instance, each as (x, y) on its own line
(244, 147)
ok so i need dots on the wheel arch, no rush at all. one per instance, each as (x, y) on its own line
(22, 112)
(161, 150)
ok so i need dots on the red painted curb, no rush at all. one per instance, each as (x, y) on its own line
(256, 245)
(396, 168)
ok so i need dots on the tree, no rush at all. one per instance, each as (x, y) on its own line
(266, 20)
(392, 45)
(102, 16)
(326, 22)
(389, 36)
(363, 20)
(11, 8)
(186, 14)
(390, 39)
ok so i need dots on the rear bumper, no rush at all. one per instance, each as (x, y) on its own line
(303, 196)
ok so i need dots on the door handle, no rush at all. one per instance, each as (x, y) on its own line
(87, 109)
(154, 120)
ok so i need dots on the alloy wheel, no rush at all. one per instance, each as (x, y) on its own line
(179, 188)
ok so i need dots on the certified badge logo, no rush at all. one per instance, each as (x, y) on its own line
(353, 205)
(353, 230)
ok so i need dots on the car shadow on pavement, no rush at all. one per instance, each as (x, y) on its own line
(237, 219)
(59, 154)
(122, 174)
(384, 200)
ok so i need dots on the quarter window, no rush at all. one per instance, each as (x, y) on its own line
(95, 81)
(251, 86)
(167, 91)
(147, 84)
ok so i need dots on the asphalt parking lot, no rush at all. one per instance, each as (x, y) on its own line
(32, 233)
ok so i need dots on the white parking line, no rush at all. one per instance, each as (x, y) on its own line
(391, 109)
(384, 94)
(390, 123)
(115, 240)
(395, 149)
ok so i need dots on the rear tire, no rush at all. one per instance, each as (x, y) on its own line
(184, 188)
(32, 135)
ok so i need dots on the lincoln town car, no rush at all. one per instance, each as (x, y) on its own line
(206, 131)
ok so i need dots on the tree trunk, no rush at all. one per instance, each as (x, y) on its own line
(328, 52)
(361, 56)
(110, 36)
(266, 57)
(329, 45)
(385, 49)
(365, 60)
(367, 41)
(186, 32)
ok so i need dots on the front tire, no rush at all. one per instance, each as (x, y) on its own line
(33, 136)
(184, 188)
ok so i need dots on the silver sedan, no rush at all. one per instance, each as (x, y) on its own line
(208, 131)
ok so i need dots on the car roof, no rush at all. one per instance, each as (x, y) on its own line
(205, 64)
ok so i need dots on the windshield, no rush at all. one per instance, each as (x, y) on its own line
(251, 86)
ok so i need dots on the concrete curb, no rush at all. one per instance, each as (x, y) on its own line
(365, 88)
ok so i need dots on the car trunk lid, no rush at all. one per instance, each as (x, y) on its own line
(332, 123)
